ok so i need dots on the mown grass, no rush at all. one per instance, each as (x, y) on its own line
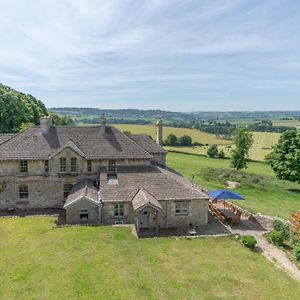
(263, 141)
(263, 192)
(39, 262)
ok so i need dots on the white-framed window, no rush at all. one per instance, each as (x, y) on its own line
(23, 192)
(73, 164)
(89, 165)
(84, 215)
(182, 208)
(63, 165)
(23, 166)
(119, 210)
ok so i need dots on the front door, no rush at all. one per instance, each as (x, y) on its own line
(144, 219)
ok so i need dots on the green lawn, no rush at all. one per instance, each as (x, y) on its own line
(38, 262)
(263, 192)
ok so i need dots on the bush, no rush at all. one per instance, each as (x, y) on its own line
(185, 140)
(297, 250)
(249, 241)
(276, 237)
(212, 151)
(221, 154)
(171, 140)
(278, 225)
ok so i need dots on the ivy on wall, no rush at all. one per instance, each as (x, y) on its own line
(2, 186)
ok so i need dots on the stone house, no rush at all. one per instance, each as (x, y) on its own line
(98, 175)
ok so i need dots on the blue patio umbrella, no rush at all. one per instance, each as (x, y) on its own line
(222, 195)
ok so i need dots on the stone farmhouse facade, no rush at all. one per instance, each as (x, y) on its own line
(99, 175)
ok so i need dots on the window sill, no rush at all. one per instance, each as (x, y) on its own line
(179, 215)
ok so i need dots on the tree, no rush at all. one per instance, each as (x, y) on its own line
(212, 151)
(243, 140)
(18, 110)
(285, 157)
(185, 140)
(61, 120)
(171, 140)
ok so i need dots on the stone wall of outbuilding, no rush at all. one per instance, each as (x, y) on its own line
(73, 212)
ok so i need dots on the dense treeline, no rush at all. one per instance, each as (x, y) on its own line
(226, 129)
(18, 111)
(267, 126)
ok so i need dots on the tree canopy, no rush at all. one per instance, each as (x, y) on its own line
(285, 157)
(243, 140)
(18, 110)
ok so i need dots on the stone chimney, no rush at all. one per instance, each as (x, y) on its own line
(45, 124)
(103, 124)
(159, 132)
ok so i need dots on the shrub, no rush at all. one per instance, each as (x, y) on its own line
(276, 237)
(249, 241)
(221, 154)
(185, 140)
(212, 151)
(297, 250)
(278, 225)
(171, 140)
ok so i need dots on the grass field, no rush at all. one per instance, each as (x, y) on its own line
(263, 141)
(196, 135)
(39, 262)
(289, 123)
(263, 192)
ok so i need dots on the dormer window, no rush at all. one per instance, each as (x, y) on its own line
(73, 164)
(23, 166)
(112, 166)
(63, 165)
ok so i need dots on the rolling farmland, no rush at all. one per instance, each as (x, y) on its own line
(263, 141)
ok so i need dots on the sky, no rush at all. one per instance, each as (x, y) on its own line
(200, 55)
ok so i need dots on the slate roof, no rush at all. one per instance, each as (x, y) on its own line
(147, 143)
(82, 189)
(161, 184)
(142, 199)
(5, 137)
(32, 144)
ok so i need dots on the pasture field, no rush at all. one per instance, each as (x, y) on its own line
(263, 192)
(289, 123)
(263, 141)
(84, 262)
(196, 135)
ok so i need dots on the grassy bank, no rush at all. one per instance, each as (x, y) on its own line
(38, 262)
(263, 192)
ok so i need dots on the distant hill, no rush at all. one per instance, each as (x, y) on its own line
(136, 116)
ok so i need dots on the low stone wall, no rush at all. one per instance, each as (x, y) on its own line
(266, 222)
